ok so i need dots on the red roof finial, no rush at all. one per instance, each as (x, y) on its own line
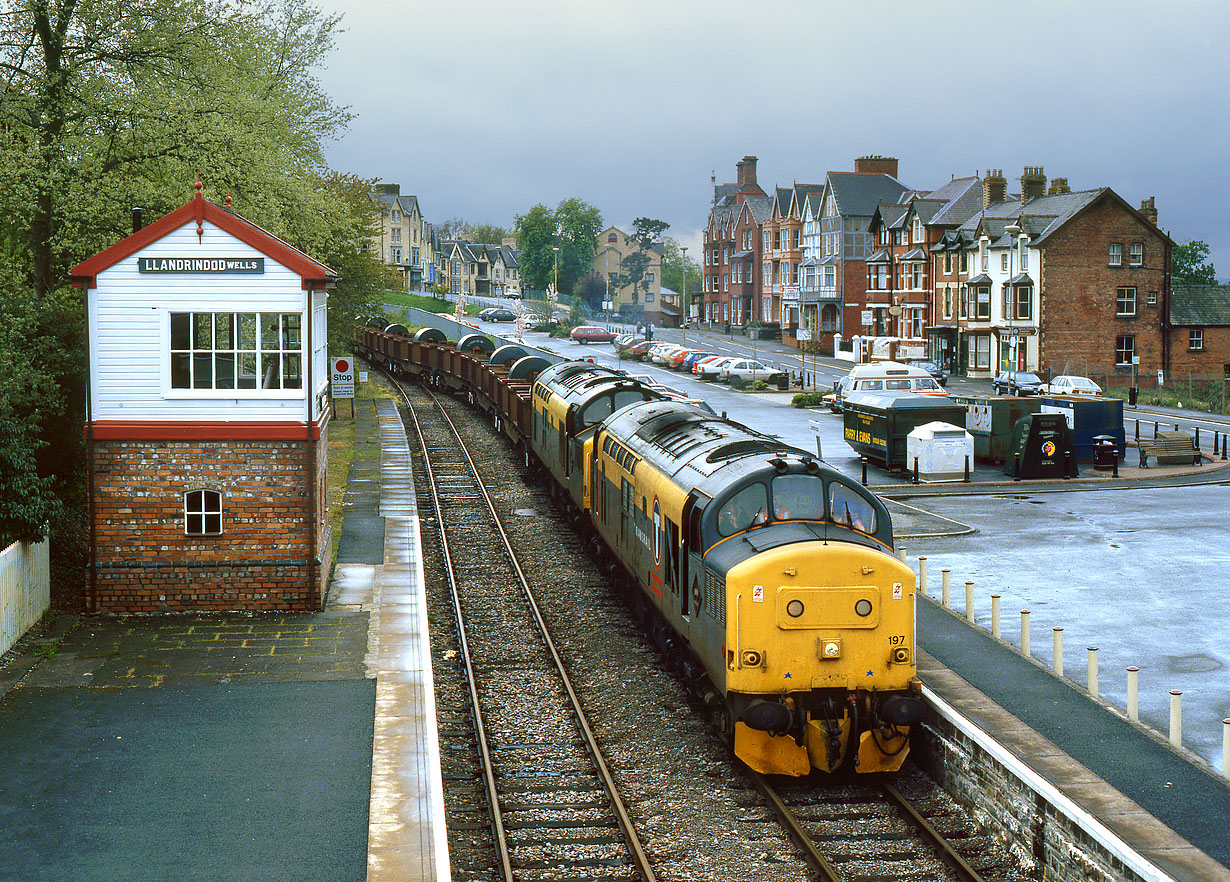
(198, 185)
(228, 201)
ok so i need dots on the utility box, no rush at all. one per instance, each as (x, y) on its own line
(1041, 447)
(876, 423)
(990, 419)
(1089, 417)
(940, 452)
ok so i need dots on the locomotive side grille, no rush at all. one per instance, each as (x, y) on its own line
(715, 596)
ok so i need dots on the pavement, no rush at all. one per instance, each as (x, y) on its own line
(215, 746)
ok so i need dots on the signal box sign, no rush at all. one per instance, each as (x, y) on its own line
(341, 376)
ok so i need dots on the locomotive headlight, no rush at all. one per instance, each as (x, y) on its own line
(830, 648)
(794, 608)
(863, 607)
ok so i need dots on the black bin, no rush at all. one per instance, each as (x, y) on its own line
(1105, 452)
(783, 381)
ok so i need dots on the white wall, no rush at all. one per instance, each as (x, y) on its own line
(25, 589)
(129, 332)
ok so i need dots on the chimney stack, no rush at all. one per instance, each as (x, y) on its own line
(136, 220)
(1059, 186)
(1033, 183)
(873, 164)
(994, 187)
(747, 171)
(1149, 210)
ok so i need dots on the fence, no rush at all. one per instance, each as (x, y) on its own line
(25, 589)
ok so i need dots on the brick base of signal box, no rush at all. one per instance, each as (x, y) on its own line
(144, 562)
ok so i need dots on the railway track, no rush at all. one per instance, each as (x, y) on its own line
(546, 795)
(834, 825)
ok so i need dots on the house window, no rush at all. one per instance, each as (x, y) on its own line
(883, 235)
(794, 274)
(1151, 298)
(965, 261)
(1116, 254)
(1125, 301)
(777, 240)
(964, 302)
(1024, 257)
(397, 234)
(1136, 253)
(983, 294)
(916, 274)
(830, 277)
(395, 253)
(918, 230)
(1195, 339)
(1125, 348)
(1003, 262)
(947, 262)
(980, 353)
(648, 278)
(236, 350)
(986, 255)
(203, 513)
(947, 303)
(415, 256)
(1024, 302)
(795, 238)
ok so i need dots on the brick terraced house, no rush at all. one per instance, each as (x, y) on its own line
(207, 417)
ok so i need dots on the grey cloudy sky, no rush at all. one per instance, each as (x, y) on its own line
(484, 108)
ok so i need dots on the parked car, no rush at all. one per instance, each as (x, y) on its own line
(502, 314)
(835, 398)
(884, 376)
(711, 368)
(592, 334)
(625, 341)
(936, 372)
(485, 314)
(689, 360)
(677, 360)
(542, 323)
(750, 370)
(663, 352)
(1069, 385)
(1017, 383)
(639, 349)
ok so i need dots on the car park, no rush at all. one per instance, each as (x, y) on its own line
(1070, 385)
(691, 358)
(1017, 383)
(883, 376)
(592, 334)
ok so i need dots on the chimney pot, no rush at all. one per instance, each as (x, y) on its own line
(994, 187)
(136, 220)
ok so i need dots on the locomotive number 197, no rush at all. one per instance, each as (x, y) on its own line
(896, 639)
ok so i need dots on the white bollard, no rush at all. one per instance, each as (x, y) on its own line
(901, 553)
(922, 576)
(1025, 632)
(1058, 647)
(1133, 707)
(1093, 671)
(1176, 718)
(969, 600)
(1225, 748)
(995, 615)
(945, 587)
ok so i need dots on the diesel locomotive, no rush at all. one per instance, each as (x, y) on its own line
(770, 574)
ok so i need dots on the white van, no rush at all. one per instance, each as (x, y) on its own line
(884, 376)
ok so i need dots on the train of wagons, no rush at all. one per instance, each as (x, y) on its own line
(767, 575)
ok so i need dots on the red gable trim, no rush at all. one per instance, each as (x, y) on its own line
(206, 430)
(313, 274)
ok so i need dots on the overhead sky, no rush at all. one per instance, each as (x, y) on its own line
(485, 108)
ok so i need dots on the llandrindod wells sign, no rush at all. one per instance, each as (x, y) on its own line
(201, 264)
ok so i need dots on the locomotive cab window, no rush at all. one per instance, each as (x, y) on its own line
(798, 498)
(850, 509)
(747, 508)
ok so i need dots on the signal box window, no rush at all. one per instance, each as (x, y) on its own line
(203, 513)
(236, 350)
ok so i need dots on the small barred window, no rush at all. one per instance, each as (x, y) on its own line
(203, 513)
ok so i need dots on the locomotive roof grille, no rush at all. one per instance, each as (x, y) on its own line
(748, 447)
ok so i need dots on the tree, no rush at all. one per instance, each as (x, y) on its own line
(578, 224)
(536, 236)
(673, 270)
(645, 233)
(1189, 264)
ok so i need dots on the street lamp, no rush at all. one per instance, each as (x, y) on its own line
(1011, 230)
(683, 295)
(555, 271)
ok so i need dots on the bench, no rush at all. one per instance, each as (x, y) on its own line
(1169, 448)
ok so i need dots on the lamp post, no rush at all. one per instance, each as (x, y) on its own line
(1012, 230)
(555, 270)
(683, 295)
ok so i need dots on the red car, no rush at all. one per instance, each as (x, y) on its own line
(591, 334)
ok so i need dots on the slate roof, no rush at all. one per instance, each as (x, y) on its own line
(761, 207)
(1040, 217)
(1202, 305)
(964, 200)
(858, 194)
(407, 204)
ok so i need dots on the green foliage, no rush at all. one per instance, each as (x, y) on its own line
(645, 232)
(572, 228)
(673, 263)
(807, 399)
(737, 382)
(1189, 264)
